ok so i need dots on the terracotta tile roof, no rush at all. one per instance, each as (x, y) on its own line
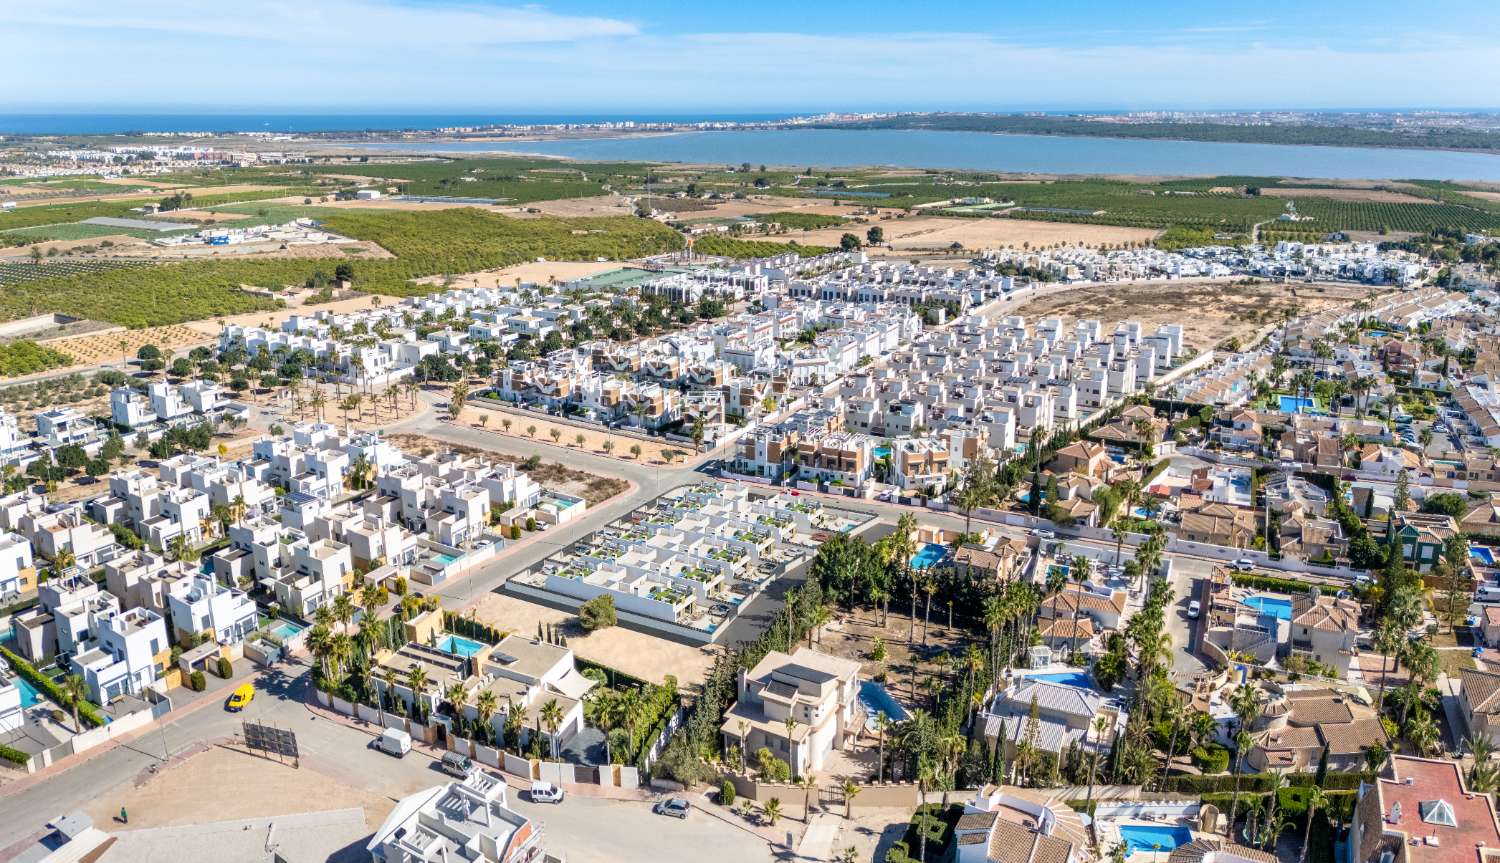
(1413, 783)
(1205, 850)
(1481, 689)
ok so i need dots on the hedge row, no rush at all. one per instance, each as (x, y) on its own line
(1270, 582)
(14, 756)
(47, 686)
(1258, 782)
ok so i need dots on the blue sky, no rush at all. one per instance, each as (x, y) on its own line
(776, 55)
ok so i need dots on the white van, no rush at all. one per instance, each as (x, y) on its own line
(545, 792)
(1487, 593)
(394, 741)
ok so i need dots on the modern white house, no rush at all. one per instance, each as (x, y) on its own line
(462, 820)
(818, 692)
(130, 653)
(201, 604)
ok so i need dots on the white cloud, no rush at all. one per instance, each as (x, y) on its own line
(359, 54)
(336, 24)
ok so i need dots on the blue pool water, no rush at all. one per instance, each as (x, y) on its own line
(285, 629)
(1273, 605)
(1482, 554)
(29, 695)
(876, 700)
(928, 556)
(882, 452)
(1151, 837)
(1080, 679)
(1295, 404)
(459, 646)
(446, 559)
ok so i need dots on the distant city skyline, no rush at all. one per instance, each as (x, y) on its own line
(441, 56)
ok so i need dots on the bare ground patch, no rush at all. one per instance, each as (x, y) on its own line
(938, 233)
(591, 487)
(1210, 312)
(645, 656)
(1373, 196)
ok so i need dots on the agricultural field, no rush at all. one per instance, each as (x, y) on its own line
(26, 358)
(12, 274)
(518, 181)
(424, 244)
(732, 248)
(119, 346)
(803, 221)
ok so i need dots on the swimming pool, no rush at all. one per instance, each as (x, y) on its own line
(928, 556)
(1153, 837)
(1080, 679)
(1482, 554)
(1294, 404)
(877, 701)
(446, 559)
(285, 629)
(29, 695)
(882, 452)
(1276, 606)
(459, 646)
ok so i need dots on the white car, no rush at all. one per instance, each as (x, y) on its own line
(1244, 564)
(1043, 533)
(1194, 609)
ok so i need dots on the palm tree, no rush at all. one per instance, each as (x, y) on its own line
(808, 782)
(552, 717)
(1482, 776)
(1101, 727)
(456, 695)
(1422, 733)
(1242, 743)
(773, 811)
(791, 726)
(343, 610)
(850, 791)
(319, 644)
(882, 725)
(75, 690)
(416, 680)
(485, 706)
(1316, 800)
(1081, 570)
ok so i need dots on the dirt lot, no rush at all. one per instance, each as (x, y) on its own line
(938, 233)
(1379, 196)
(637, 653)
(536, 273)
(1209, 312)
(602, 205)
(233, 785)
(479, 416)
(594, 489)
(1488, 196)
(107, 347)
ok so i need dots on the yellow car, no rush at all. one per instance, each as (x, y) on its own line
(241, 697)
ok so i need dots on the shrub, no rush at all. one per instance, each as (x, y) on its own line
(530, 523)
(226, 670)
(1212, 758)
(49, 687)
(197, 682)
(14, 756)
(598, 613)
(400, 585)
(515, 531)
(726, 793)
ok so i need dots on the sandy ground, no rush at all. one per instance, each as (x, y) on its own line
(359, 249)
(731, 208)
(129, 195)
(233, 785)
(107, 347)
(122, 242)
(1209, 312)
(936, 233)
(532, 272)
(600, 205)
(637, 653)
(1380, 196)
(478, 416)
(133, 183)
(1487, 196)
(196, 216)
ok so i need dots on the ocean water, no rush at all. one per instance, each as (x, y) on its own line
(114, 124)
(989, 152)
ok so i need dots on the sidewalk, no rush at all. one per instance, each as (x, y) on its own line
(181, 709)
